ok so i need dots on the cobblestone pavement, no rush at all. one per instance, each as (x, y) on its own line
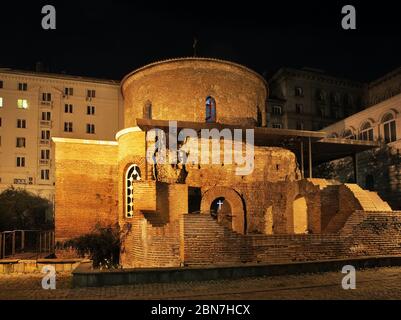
(382, 283)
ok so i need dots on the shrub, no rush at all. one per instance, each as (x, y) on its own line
(102, 246)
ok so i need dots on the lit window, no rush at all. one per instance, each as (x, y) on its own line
(210, 109)
(133, 174)
(390, 128)
(20, 162)
(22, 104)
(1, 102)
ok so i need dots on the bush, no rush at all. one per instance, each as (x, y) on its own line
(102, 246)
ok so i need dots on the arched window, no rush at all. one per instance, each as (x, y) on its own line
(147, 110)
(210, 109)
(366, 132)
(133, 174)
(390, 128)
(347, 134)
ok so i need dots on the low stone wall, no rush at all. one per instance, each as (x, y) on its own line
(365, 234)
(36, 266)
(84, 276)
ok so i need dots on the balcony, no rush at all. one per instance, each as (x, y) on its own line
(20, 181)
(45, 123)
(44, 142)
(44, 162)
(46, 104)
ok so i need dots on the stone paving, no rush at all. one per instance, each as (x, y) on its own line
(382, 283)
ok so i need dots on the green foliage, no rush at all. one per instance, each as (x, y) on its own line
(22, 210)
(102, 246)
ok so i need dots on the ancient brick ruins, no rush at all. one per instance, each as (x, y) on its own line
(199, 214)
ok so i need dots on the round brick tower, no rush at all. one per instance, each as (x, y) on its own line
(179, 89)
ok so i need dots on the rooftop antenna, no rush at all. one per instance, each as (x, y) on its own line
(194, 45)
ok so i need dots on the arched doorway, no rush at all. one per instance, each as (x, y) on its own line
(231, 204)
(269, 227)
(220, 209)
(300, 214)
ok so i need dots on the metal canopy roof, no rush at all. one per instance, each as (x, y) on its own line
(323, 149)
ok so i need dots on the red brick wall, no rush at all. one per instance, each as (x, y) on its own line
(366, 234)
(154, 239)
(151, 244)
(86, 187)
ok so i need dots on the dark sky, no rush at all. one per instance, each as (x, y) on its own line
(108, 39)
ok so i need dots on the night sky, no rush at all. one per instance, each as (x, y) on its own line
(109, 39)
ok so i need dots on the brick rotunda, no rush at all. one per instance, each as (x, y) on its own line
(206, 213)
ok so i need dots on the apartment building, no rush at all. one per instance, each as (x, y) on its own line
(34, 107)
(309, 99)
(378, 170)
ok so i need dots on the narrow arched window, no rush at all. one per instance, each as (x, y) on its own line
(366, 132)
(147, 110)
(210, 109)
(390, 129)
(133, 174)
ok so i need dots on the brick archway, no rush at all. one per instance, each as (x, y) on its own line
(300, 215)
(235, 201)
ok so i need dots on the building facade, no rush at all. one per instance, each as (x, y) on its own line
(383, 88)
(380, 169)
(307, 99)
(34, 107)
